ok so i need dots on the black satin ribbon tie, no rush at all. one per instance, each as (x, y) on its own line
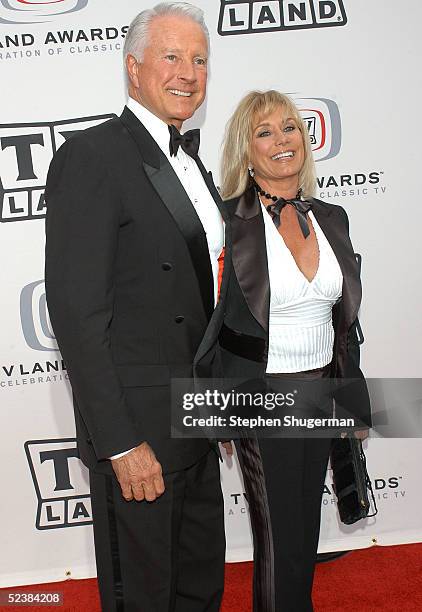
(189, 141)
(302, 207)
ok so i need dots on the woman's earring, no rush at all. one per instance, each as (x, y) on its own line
(251, 172)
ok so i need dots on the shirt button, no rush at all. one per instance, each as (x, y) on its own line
(179, 319)
(166, 266)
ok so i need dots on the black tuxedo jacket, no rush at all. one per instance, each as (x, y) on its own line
(244, 335)
(129, 289)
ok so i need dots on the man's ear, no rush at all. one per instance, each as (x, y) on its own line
(132, 67)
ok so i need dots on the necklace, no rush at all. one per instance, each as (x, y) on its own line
(274, 210)
(273, 197)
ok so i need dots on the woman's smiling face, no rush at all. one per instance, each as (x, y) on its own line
(277, 150)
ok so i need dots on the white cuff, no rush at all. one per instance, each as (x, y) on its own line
(122, 454)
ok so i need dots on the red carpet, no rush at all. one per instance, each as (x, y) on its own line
(378, 578)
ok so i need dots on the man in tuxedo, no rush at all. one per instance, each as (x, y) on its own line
(134, 232)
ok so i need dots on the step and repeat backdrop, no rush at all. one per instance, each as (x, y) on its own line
(353, 68)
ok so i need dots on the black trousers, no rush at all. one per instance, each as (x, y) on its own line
(166, 555)
(284, 481)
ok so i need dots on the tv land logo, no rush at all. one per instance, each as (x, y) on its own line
(61, 483)
(35, 320)
(251, 16)
(37, 11)
(390, 488)
(26, 150)
(39, 336)
(322, 118)
(237, 504)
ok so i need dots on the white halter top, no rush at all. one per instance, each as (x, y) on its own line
(301, 334)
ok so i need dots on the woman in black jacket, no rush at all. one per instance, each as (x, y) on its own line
(295, 294)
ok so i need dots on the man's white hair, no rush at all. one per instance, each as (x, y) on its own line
(138, 34)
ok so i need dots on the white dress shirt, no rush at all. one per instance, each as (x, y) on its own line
(191, 178)
(301, 334)
(193, 183)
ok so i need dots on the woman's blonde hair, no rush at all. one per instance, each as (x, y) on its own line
(252, 108)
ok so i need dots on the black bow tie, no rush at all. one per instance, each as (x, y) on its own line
(302, 207)
(189, 141)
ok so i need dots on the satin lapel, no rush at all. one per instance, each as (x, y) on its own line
(148, 148)
(209, 181)
(174, 197)
(250, 256)
(336, 233)
(171, 191)
(214, 326)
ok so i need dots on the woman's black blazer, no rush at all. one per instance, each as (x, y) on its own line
(245, 330)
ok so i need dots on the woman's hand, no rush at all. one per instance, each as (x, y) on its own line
(360, 434)
(228, 447)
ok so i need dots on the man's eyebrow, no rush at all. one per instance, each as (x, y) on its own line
(169, 50)
(175, 50)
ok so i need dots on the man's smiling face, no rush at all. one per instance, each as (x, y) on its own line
(171, 78)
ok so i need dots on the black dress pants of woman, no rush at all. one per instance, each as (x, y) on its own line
(284, 481)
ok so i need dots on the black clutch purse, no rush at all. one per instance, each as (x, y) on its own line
(351, 480)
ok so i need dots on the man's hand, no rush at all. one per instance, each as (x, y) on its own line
(139, 474)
